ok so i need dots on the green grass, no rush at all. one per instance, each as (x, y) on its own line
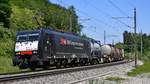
(145, 68)
(6, 66)
(117, 79)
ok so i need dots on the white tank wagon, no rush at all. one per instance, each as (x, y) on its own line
(107, 51)
(111, 53)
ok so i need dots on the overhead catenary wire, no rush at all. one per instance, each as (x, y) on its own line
(131, 4)
(120, 10)
(96, 19)
(107, 14)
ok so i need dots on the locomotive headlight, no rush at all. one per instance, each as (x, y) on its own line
(34, 52)
(17, 53)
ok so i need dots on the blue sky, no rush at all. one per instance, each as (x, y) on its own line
(96, 16)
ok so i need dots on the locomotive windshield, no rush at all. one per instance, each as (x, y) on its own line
(33, 37)
(21, 38)
(27, 37)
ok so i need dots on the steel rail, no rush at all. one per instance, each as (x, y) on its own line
(55, 71)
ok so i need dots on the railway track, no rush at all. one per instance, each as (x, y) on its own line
(54, 71)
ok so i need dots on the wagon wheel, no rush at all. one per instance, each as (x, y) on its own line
(58, 65)
(102, 60)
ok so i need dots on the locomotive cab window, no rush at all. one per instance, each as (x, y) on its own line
(33, 37)
(27, 37)
(21, 38)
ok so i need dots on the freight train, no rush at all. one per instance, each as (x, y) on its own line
(47, 47)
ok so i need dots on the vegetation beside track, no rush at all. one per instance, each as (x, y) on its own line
(6, 65)
(145, 68)
(117, 79)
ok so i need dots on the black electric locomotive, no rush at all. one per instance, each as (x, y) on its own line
(46, 47)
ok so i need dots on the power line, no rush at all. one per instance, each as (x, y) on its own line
(114, 5)
(104, 13)
(131, 4)
(96, 19)
(108, 15)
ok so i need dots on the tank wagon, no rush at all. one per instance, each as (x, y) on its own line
(111, 53)
(47, 47)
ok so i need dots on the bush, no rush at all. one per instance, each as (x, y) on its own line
(6, 47)
(6, 41)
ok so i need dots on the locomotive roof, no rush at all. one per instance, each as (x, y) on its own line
(68, 34)
(28, 31)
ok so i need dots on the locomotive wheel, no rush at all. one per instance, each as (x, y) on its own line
(64, 63)
(46, 65)
(58, 65)
(73, 63)
(32, 66)
(91, 62)
(82, 62)
(97, 61)
(22, 66)
(94, 61)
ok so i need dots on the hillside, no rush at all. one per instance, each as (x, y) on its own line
(17, 15)
(33, 14)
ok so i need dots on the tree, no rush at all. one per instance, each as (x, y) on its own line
(54, 15)
(77, 27)
(5, 12)
(25, 19)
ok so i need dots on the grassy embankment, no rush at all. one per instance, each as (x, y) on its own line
(145, 68)
(6, 50)
(6, 65)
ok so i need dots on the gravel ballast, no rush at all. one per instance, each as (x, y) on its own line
(82, 77)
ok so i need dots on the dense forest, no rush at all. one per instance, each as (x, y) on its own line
(17, 15)
(131, 39)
